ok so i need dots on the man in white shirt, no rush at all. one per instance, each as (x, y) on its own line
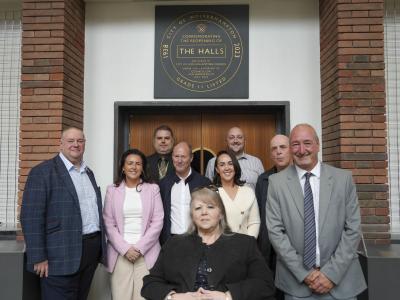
(313, 221)
(175, 191)
(251, 166)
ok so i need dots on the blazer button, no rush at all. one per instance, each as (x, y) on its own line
(209, 270)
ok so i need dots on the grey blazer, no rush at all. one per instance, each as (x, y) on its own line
(339, 231)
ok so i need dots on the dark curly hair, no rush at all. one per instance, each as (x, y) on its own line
(236, 167)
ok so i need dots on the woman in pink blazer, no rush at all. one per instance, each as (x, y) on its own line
(133, 217)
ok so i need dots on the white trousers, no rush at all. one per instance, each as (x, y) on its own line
(127, 279)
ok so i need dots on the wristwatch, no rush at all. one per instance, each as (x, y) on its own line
(169, 296)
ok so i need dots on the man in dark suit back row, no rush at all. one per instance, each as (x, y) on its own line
(61, 218)
(160, 162)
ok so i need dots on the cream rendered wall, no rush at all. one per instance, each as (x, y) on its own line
(284, 66)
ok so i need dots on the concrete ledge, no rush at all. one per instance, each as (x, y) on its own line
(8, 231)
(381, 267)
(15, 282)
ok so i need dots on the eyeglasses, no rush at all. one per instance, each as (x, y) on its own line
(72, 141)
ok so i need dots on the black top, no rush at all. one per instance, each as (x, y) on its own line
(263, 241)
(202, 273)
(195, 180)
(152, 166)
(234, 263)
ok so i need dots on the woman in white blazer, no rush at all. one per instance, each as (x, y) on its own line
(239, 200)
(133, 217)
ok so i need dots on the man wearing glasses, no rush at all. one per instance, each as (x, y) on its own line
(62, 221)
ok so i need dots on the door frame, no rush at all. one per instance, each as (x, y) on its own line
(123, 110)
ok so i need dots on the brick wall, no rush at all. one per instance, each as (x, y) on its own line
(353, 103)
(51, 77)
(352, 81)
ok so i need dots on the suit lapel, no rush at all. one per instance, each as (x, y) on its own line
(219, 259)
(295, 190)
(119, 199)
(66, 178)
(197, 249)
(145, 194)
(325, 191)
(96, 189)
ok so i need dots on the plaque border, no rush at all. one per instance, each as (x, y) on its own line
(237, 83)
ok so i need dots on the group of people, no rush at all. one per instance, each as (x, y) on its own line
(167, 232)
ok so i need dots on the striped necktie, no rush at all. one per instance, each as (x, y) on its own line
(309, 225)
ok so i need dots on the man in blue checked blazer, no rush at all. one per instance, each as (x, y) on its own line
(61, 218)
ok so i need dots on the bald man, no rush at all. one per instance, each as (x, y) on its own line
(175, 191)
(314, 224)
(251, 166)
(281, 158)
(61, 218)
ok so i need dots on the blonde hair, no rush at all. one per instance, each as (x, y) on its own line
(209, 195)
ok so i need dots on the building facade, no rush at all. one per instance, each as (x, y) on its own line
(90, 64)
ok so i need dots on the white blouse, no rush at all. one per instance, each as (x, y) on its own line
(132, 216)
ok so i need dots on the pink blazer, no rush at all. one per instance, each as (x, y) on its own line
(152, 222)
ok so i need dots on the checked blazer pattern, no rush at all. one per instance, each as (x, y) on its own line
(51, 218)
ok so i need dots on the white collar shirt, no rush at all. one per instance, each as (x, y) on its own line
(180, 206)
(86, 196)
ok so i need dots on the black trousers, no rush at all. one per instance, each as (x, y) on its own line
(75, 286)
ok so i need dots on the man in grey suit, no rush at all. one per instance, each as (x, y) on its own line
(313, 222)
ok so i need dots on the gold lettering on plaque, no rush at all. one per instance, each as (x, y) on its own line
(201, 51)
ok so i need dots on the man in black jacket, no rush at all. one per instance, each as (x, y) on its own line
(175, 191)
(281, 157)
(159, 164)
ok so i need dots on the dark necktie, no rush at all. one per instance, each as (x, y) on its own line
(162, 168)
(309, 226)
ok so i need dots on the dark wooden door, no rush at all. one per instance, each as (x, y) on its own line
(206, 132)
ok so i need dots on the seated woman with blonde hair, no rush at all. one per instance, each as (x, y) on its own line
(209, 262)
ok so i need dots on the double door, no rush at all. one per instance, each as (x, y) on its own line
(206, 132)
